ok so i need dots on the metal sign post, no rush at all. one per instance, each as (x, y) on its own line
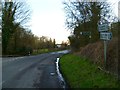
(105, 52)
(105, 35)
(103, 27)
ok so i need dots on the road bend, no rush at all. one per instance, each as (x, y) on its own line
(37, 71)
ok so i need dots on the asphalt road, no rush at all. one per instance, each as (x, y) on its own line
(37, 71)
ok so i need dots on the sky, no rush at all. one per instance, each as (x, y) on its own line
(48, 19)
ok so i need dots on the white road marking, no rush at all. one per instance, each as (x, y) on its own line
(13, 59)
(62, 81)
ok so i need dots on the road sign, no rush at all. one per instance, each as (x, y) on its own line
(103, 27)
(106, 35)
(87, 33)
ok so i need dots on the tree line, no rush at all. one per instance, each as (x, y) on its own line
(17, 38)
(82, 19)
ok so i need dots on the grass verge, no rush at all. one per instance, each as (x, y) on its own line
(41, 51)
(79, 72)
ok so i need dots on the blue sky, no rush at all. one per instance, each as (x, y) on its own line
(48, 18)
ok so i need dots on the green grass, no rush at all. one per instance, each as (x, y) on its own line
(40, 51)
(81, 73)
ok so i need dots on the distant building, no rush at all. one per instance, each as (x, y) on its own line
(58, 45)
(61, 45)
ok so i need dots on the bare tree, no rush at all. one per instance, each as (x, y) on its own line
(14, 14)
(84, 16)
(22, 12)
(78, 12)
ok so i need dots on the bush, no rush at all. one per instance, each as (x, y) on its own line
(95, 52)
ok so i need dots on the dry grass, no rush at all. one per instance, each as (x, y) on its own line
(95, 52)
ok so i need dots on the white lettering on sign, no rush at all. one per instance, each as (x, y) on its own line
(103, 27)
(106, 35)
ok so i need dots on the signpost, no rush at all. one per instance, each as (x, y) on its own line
(103, 27)
(104, 35)
(87, 33)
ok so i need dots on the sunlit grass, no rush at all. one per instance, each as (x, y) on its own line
(40, 51)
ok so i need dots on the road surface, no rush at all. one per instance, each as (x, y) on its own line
(37, 71)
